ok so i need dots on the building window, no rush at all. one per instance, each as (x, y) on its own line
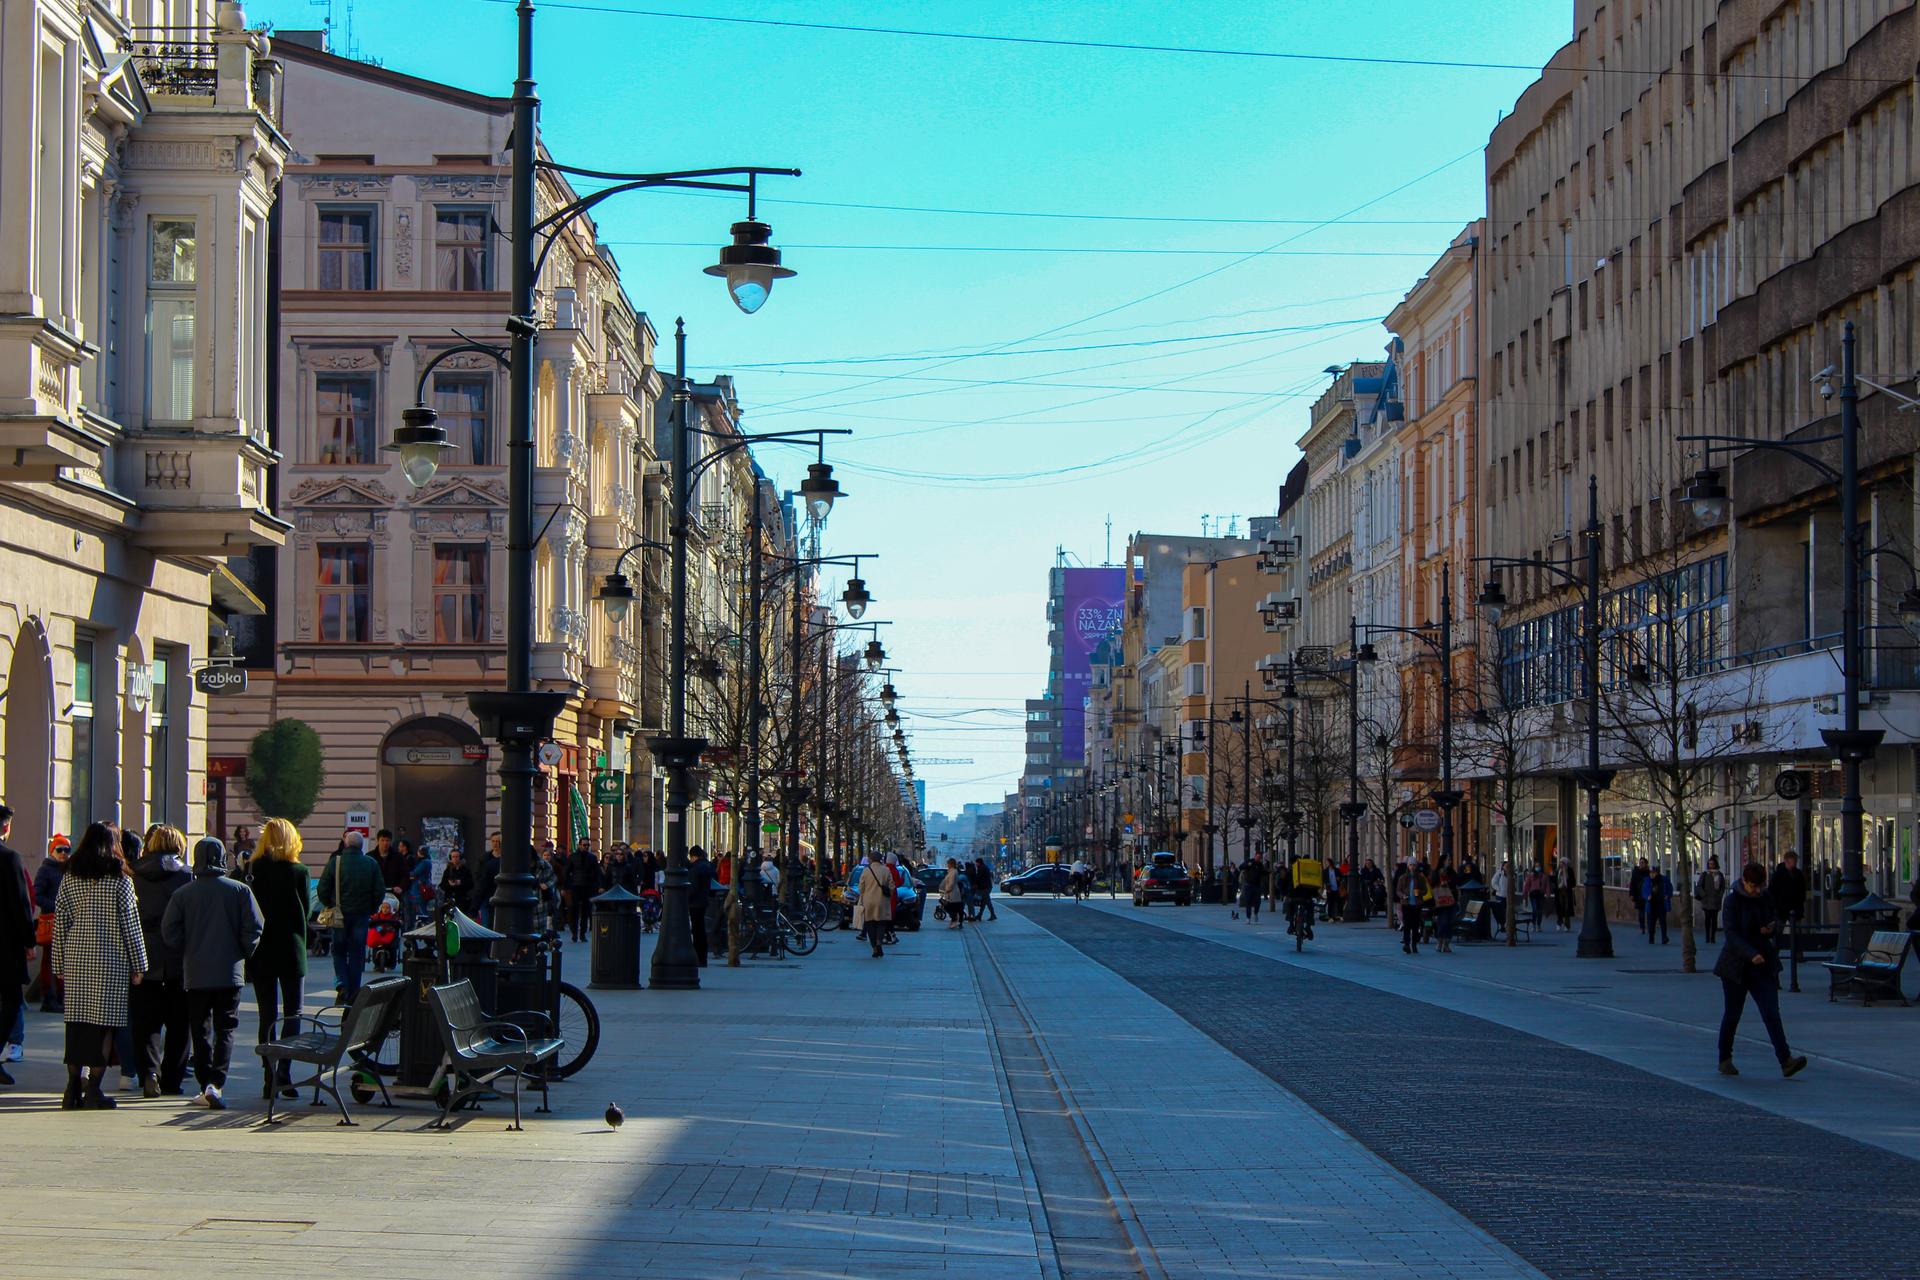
(346, 249)
(344, 408)
(461, 257)
(463, 402)
(459, 594)
(83, 739)
(343, 584)
(172, 307)
(159, 727)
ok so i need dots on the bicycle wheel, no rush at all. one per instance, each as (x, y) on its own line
(816, 913)
(579, 1026)
(802, 936)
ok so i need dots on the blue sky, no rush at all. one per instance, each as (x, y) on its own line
(1022, 379)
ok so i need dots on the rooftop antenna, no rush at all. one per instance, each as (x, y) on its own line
(1109, 555)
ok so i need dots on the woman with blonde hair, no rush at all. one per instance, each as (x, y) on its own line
(278, 968)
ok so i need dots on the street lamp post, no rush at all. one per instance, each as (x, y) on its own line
(1446, 797)
(1850, 743)
(1596, 935)
(520, 716)
(1354, 808)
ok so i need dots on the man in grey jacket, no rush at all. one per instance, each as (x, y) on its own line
(215, 924)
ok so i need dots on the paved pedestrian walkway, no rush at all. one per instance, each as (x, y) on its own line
(992, 1104)
(1637, 1008)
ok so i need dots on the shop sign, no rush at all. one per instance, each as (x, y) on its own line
(435, 755)
(1427, 819)
(1790, 784)
(139, 686)
(360, 820)
(218, 681)
(226, 766)
(609, 788)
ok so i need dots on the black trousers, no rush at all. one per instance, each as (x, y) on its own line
(12, 1000)
(278, 1001)
(213, 1013)
(157, 1012)
(697, 915)
(580, 913)
(1766, 996)
(1410, 925)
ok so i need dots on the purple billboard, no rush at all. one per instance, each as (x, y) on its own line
(1091, 609)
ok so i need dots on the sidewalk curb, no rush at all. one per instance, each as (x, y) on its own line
(1143, 1250)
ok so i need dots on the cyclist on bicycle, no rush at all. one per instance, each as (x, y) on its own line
(1081, 880)
(1305, 879)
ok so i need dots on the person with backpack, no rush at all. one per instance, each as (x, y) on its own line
(1253, 884)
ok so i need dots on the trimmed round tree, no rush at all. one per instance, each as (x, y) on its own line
(284, 770)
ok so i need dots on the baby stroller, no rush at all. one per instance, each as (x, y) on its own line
(383, 935)
(649, 910)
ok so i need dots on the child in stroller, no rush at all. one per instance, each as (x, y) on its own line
(383, 935)
(649, 909)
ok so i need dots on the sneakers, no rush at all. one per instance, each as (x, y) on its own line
(1727, 1068)
(1793, 1067)
(6, 1078)
(14, 1053)
(211, 1096)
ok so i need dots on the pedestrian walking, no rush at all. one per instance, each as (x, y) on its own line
(46, 893)
(1636, 890)
(1749, 967)
(1414, 890)
(1563, 894)
(1253, 886)
(1656, 895)
(486, 879)
(216, 924)
(984, 884)
(873, 911)
(1788, 888)
(351, 887)
(699, 896)
(1497, 892)
(546, 897)
(1710, 890)
(278, 967)
(99, 953)
(456, 882)
(158, 1006)
(1534, 886)
(953, 894)
(17, 940)
(583, 881)
(1446, 906)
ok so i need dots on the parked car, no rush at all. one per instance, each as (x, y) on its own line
(1048, 877)
(1165, 882)
(909, 903)
(927, 879)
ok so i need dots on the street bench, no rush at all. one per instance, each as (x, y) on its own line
(1877, 970)
(359, 1029)
(481, 1050)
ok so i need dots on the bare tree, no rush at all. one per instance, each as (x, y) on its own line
(1673, 714)
(1497, 735)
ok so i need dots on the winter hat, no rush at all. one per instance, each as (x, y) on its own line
(210, 857)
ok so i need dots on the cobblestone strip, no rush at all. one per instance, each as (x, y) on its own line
(1089, 1240)
(1560, 1154)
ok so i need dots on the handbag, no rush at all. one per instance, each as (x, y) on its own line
(1443, 896)
(333, 917)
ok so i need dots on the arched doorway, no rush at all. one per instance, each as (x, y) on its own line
(433, 783)
(27, 718)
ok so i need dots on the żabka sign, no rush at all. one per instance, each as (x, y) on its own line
(216, 681)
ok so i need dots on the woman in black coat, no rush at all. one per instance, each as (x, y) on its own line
(1749, 965)
(278, 968)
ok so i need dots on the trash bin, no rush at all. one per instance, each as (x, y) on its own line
(616, 939)
(1481, 930)
(424, 968)
(1867, 916)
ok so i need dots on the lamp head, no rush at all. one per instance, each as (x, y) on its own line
(1908, 611)
(1366, 652)
(420, 443)
(1707, 496)
(819, 489)
(750, 265)
(888, 695)
(1493, 600)
(616, 597)
(856, 598)
(875, 654)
